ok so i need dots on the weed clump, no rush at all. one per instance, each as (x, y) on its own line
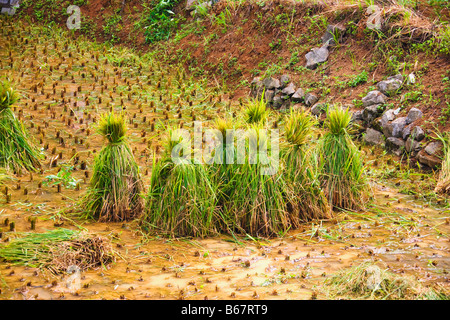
(16, 150)
(341, 167)
(256, 111)
(115, 187)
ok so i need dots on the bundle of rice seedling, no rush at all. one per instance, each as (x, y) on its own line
(341, 167)
(256, 111)
(16, 150)
(181, 199)
(115, 188)
(58, 249)
(301, 168)
(253, 203)
(443, 184)
(368, 281)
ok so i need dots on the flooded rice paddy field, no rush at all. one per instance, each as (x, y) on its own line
(66, 84)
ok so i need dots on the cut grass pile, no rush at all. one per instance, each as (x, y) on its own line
(368, 281)
(58, 249)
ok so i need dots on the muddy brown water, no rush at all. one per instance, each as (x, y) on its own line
(410, 237)
(291, 267)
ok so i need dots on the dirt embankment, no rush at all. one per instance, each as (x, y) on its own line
(236, 42)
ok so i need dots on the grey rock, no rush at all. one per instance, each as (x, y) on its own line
(389, 87)
(256, 82)
(271, 83)
(310, 99)
(373, 97)
(299, 95)
(297, 106)
(395, 128)
(428, 160)
(358, 126)
(289, 90)
(277, 101)
(398, 77)
(412, 146)
(411, 79)
(434, 148)
(413, 115)
(371, 112)
(256, 88)
(376, 124)
(286, 105)
(316, 56)
(333, 32)
(190, 3)
(284, 80)
(268, 95)
(417, 133)
(395, 145)
(373, 137)
(319, 108)
(407, 131)
(357, 115)
(387, 116)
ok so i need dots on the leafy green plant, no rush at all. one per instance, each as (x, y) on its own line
(223, 19)
(113, 26)
(200, 10)
(161, 21)
(358, 79)
(63, 177)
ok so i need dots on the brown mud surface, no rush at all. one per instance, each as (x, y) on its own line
(291, 267)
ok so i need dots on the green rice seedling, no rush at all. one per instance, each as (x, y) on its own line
(253, 203)
(443, 184)
(301, 168)
(115, 188)
(16, 150)
(181, 200)
(256, 111)
(368, 281)
(57, 249)
(340, 164)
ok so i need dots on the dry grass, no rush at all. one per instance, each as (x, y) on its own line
(443, 185)
(58, 249)
(368, 281)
